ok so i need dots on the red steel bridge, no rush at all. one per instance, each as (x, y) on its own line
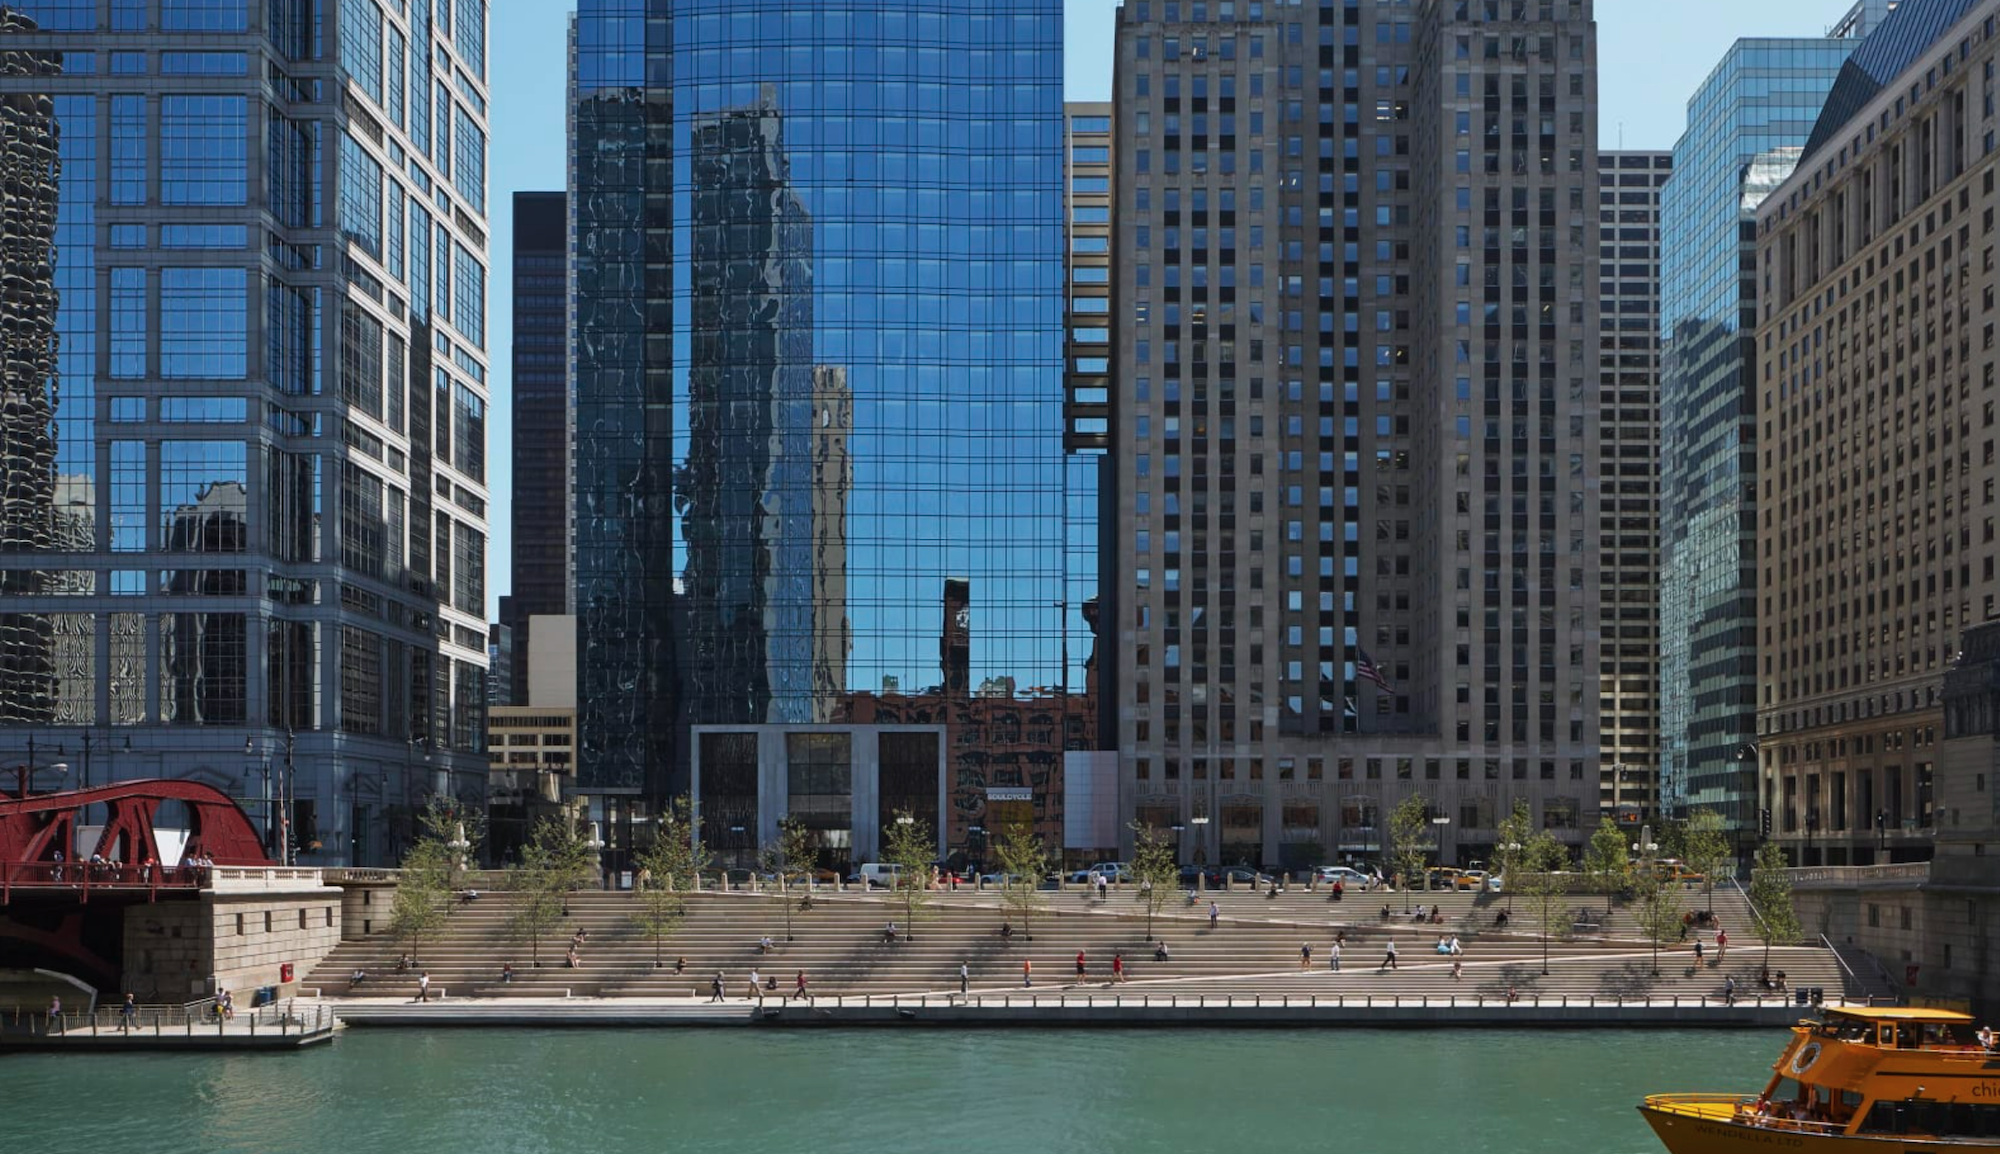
(38, 831)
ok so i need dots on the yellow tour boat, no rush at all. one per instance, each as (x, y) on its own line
(1863, 1080)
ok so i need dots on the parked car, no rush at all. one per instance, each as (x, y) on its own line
(1349, 878)
(877, 874)
(1442, 877)
(1112, 871)
(1238, 876)
(1001, 879)
(1471, 881)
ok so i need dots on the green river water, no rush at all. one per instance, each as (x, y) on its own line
(856, 1091)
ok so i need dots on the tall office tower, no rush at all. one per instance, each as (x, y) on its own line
(1875, 397)
(819, 451)
(1744, 129)
(245, 421)
(1355, 244)
(1628, 502)
(541, 557)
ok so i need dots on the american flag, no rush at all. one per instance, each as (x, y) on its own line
(1366, 670)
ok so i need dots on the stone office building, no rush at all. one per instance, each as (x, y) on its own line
(1356, 314)
(1875, 394)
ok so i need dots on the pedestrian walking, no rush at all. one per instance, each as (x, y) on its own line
(799, 988)
(1214, 914)
(1388, 957)
(1721, 945)
(1103, 883)
(1729, 991)
(1305, 956)
(1697, 952)
(1333, 955)
(128, 1011)
(964, 979)
(756, 993)
(1082, 971)
(55, 1015)
(1117, 967)
(715, 987)
(423, 993)
(1027, 974)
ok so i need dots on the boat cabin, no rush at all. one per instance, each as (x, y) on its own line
(1885, 1070)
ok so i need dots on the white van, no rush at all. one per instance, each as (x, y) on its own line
(882, 874)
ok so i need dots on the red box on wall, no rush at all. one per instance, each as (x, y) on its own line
(285, 972)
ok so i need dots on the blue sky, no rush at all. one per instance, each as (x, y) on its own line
(1651, 55)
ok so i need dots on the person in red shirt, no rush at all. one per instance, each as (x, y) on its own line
(1721, 944)
(1117, 967)
(1082, 971)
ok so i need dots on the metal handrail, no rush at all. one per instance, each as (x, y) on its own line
(1741, 1113)
(1844, 967)
(157, 1020)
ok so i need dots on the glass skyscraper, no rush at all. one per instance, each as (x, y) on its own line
(818, 403)
(243, 430)
(1745, 127)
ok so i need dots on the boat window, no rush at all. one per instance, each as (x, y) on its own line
(1937, 1119)
(1851, 1099)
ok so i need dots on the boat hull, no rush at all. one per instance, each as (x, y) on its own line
(1684, 1133)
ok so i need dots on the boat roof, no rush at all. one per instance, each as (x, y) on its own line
(1898, 1014)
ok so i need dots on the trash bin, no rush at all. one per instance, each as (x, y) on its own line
(1803, 995)
(1818, 995)
(264, 996)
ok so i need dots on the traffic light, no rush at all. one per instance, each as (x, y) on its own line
(1764, 821)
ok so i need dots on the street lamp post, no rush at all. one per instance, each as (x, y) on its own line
(250, 766)
(24, 772)
(1646, 847)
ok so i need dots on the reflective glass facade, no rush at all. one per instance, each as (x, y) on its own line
(1745, 127)
(818, 395)
(239, 531)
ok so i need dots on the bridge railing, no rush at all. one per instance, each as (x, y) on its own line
(83, 877)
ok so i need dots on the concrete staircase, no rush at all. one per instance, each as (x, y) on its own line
(837, 943)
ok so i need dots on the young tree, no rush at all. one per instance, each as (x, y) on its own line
(554, 862)
(662, 909)
(1510, 840)
(1023, 861)
(1771, 900)
(423, 894)
(682, 855)
(459, 828)
(1154, 868)
(1705, 849)
(791, 854)
(911, 848)
(1658, 904)
(1409, 841)
(1605, 861)
(1542, 887)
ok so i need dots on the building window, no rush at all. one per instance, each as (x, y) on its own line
(204, 150)
(204, 323)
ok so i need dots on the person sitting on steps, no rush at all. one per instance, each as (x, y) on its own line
(1162, 954)
(889, 934)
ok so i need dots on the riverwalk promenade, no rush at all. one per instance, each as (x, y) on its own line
(1257, 959)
